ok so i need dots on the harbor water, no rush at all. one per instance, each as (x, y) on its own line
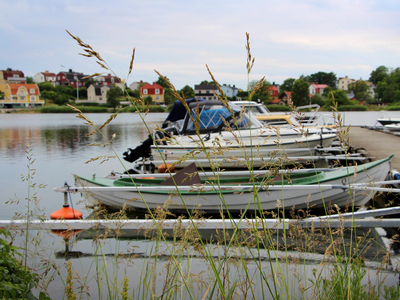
(53, 147)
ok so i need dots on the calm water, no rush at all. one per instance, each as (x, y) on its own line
(60, 147)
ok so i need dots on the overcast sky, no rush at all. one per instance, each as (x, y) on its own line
(179, 38)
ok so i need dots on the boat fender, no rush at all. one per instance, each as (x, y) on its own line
(395, 175)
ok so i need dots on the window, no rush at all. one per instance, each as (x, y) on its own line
(32, 91)
(157, 91)
(32, 99)
(157, 97)
(15, 75)
(100, 98)
(22, 98)
(144, 91)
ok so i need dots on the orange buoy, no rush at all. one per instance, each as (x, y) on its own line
(165, 167)
(66, 213)
(66, 234)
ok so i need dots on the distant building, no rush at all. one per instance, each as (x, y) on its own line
(206, 91)
(286, 97)
(137, 84)
(273, 92)
(230, 91)
(45, 77)
(71, 78)
(11, 76)
(97, 93)
(109, 80)
(154, 90)
(343, 83)
(316, 88)
(21, 95)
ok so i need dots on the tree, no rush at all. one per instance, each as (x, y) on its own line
(29, 79)
(187, 91)
(339, 96)
(287, 85)
(148, 100)
(329, 79)
(360, 90)
(207, 82)
(113, 95)
(133, 93)
(318, 99)
(89, 82)
(388, 90)
(83, 92)
(61, 99)
(380, 74)
(300, 92)
(46, 86)
(162, 82)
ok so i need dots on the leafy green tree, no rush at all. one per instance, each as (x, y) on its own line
(148, 100)
(113, 95)
(339, 96)
(29, 79)
(388, 90)
(133, 93)
(287, 85)
(46, 86)
(300, 92)
(83, 92)
(89, 82)
(318, 99)
(50, 95)
(162, 83)
(207, 82)
(61, 99)
(380, 74)
(187, 91)
(329, 79)
(360, 90)
(66, 89)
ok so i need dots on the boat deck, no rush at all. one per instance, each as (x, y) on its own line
(378, 144)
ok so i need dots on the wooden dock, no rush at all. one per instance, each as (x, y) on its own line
(378, 144)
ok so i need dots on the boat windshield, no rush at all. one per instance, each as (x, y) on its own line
(211, 118)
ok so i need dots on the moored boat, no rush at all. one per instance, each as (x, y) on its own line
(217, 130)
(341, 187)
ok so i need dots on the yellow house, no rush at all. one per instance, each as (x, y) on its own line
(21, 95)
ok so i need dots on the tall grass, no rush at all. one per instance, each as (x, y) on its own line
(258, 262)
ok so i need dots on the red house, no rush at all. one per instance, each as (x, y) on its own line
(154, 90)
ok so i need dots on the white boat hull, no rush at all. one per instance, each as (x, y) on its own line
(287, 197)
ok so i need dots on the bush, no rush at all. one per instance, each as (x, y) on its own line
(66, 109)
(143, 108)
(352, 108)
(88, 104)
(391, 108)
(278, 107)
(16, 281)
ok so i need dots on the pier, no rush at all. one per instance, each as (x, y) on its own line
(377, 143)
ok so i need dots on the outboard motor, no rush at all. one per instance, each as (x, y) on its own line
(142, 150)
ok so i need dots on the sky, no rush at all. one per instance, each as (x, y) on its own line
(180, 38)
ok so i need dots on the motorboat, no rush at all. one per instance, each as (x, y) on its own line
(185, 191)
(212, 129)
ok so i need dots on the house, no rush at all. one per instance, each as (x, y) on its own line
(277, 102)
(45, 77)
(21, 95)
(154, 90)
(137, 84)
(109, 80)
(229, 91)
(206, 91)
(96, 93)
(71, 78)
(316, 88)
(273, 92)
(286, 97)
(10, 76)
(343, 83)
